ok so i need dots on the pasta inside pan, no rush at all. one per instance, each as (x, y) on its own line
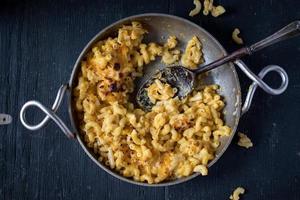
(110, 125)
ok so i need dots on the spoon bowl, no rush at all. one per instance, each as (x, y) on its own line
(177, 76)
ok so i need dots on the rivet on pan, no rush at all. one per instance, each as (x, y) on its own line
(5, 119)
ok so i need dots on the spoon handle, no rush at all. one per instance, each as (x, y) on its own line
(287, 32)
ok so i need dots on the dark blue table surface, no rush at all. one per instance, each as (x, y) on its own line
(39, 43)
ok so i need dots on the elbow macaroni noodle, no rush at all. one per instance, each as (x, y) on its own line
(175, 139)
(236, 193)
(193, 54)
(170, 55)
(235, 36)
(244, 141)
(160, 91)
(208, 7)
(217, 11)
(197, 8)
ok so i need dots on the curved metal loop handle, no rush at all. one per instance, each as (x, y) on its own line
(50, 113)
(258, 81)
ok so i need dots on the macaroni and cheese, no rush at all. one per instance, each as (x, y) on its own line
(175, 139)
(160, 91)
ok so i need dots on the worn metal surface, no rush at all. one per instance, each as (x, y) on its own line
(40, 41)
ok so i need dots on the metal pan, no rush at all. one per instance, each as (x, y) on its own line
(160, 26)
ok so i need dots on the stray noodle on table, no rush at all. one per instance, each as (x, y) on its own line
(244, 141)
(208, 7)
(235, 36)
(236, 193)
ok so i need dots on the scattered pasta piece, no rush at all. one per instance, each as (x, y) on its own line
(244, 141)
(193, 54)
(236, 193)
(235, 36)
(217, 11)
(197, 8)
(208, 7)
(214, 10)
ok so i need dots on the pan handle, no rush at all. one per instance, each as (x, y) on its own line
(50, 113)
(258, 81)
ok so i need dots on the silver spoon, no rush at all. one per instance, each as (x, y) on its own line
(183, 79)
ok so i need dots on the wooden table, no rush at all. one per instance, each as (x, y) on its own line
(39, 43)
